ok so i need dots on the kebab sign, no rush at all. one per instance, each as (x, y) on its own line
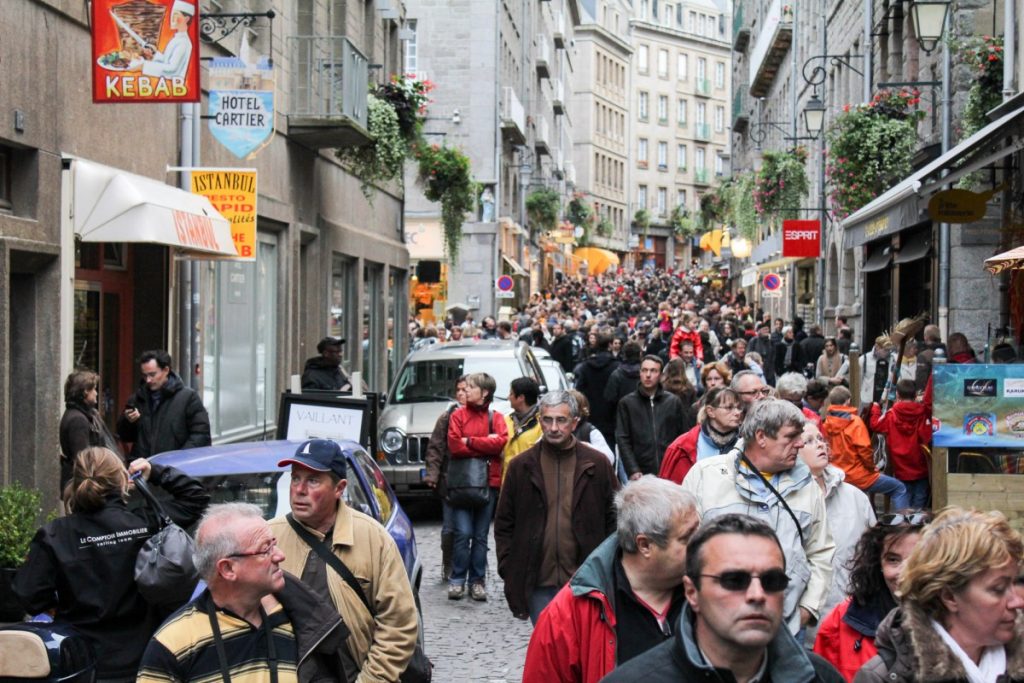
(145, 51)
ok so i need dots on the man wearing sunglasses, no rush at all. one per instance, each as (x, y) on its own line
(730, 627)
(767, 479)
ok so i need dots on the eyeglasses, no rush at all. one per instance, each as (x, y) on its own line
(265, 553)
(560, 420)
(910, 519)
(772, 581)
(734, 406)
(763, 391)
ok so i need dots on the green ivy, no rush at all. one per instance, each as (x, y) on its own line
(383, 160)
(20, 514)
(742, 211)
(984, 55)
(781, 184)
(682, 225)
(642, 220)
(446, 177)
(543, 207)
(605, 227)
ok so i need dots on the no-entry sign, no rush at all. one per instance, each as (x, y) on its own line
(771, 281)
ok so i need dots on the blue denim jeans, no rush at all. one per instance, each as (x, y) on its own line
(893, 488)
(471, 527)
(918, 491)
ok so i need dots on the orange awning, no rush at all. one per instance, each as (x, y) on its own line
(598, 260)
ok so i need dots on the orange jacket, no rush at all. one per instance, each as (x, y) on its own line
(850, 443)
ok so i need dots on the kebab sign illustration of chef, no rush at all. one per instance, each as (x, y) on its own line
(145, 51)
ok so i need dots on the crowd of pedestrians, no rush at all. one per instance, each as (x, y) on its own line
(700, 506)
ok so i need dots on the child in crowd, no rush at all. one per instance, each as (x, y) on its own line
(907, 427)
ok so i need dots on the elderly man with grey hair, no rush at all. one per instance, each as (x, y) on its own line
(792, 387)
(768, 480)
(252, 614)
(626, 597)
(556, 506)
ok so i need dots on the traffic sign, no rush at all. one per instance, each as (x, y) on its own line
(505, 283)
(771, 282)
(504, 295)
(771, 294)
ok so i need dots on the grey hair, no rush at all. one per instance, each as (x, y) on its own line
(738, 377)
(557, 398)
(787, 328)
(215, 539)
(791, 384)
(770, 416)
(647, 506)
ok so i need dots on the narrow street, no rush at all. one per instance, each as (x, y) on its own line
(467, 641)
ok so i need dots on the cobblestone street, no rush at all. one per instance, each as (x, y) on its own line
(467, 640)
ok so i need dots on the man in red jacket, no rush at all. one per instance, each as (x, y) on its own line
(908, 429)
(474, 431)
(627, 595)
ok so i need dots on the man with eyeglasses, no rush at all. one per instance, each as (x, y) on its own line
(750, 387)
(163, 414)
(254, 620)
(556, 506)
(382, 614)
(768, 480)
(730, 627)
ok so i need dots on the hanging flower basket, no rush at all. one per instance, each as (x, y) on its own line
(445, 175)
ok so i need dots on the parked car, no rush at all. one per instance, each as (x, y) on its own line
(554, 376)
(248, 473)
(425, 387)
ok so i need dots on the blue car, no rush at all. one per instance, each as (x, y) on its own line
(248, 473)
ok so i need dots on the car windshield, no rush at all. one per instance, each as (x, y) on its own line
(261, 489)
(434, 379)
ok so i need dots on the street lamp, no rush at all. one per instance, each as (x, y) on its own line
(814, 115)
(929, 21)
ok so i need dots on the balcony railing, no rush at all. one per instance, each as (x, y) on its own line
(558, 102)
(702, 86)
(558, 32)
(329, 79)
(542, 136)
(770, 48)
(702, 131)
(740, 109)
(513, 116)
(701, 176)
(740, 30)
(542, 56)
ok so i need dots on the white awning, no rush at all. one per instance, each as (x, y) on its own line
(902, 204)
(514, 266)
(110, 205)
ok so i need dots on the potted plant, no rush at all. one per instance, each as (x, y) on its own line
(542, 208)
(20, 512)
(682, 225)
(445, 175)
(642, 221)
(781, 184)
(383, 160)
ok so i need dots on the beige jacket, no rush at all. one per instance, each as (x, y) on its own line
(381, 643)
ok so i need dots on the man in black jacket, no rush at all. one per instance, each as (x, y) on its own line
(323, 372)
(592, 377)
(562, 347)
(164, 414)
(730, 628)
(647, 421)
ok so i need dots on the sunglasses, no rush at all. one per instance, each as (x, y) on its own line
(911, 519)
(772, 581)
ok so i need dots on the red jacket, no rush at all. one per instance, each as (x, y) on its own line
(844, 647)
(682, 334)
(907, 426)
(487, 437)
(680, 456)
(574, 640)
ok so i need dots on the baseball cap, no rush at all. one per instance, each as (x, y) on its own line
(319, 455)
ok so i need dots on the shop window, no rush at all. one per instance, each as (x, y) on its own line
(5, 180)
(240, 343)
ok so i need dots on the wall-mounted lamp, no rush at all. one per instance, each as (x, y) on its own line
(814, 115)
(456, 118)
(929, 21)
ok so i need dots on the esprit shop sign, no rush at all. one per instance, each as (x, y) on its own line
(145, 51)
(801, 239)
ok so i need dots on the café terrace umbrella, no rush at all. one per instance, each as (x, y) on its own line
(1008, 260)
(599, 260)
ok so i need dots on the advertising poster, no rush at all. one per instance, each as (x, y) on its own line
(978, 406)
(233, 193)
(241, 111)
(145, 51)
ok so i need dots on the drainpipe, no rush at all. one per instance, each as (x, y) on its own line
(1009, 49)
(869, 47)
(944, 247)
(185, 152)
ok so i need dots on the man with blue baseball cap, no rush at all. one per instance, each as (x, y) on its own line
(378, 605)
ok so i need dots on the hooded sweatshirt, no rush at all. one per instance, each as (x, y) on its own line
(850, 443)
(907, 427)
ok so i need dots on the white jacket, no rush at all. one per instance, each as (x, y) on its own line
(722, 486)
(849, 516)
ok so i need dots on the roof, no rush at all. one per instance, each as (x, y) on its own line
(461, 349)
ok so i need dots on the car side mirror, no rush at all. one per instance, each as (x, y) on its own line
(543, 388)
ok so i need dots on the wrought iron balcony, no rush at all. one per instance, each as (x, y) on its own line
(740, 109)
(329, 79)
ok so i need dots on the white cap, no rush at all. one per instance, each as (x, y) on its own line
(184, 7)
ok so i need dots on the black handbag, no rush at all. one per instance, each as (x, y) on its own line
(419, 669)
(164, 571)
(468, 486)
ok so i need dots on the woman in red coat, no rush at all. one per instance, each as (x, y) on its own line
(846, 637)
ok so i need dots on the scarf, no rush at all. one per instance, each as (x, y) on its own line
(988, 669)
(788, 360)
(522, 422)
(724, 441)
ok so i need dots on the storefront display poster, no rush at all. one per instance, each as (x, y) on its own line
(978, 406)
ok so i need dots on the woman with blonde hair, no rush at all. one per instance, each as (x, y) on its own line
(958, 618)
(83, 565)
(714, 375)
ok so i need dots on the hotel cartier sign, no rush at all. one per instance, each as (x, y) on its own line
(145, 51)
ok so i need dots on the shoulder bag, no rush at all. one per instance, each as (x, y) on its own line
(420, 669)
(164, 571)
(468, 485)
